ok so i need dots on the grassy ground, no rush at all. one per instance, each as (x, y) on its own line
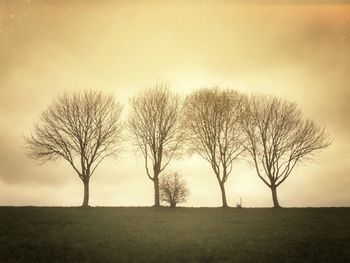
(31, 234)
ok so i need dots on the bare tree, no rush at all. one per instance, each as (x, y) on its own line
(173, 189)
(155, 124)
(83, 128)
(278, 138)
(213, 118)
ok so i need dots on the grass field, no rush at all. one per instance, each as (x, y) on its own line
(32, 234)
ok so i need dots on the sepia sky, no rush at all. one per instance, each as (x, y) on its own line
(298, 50)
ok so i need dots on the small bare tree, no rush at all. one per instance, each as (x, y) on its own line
(213, 118)
(83, 128)
(154, 122)
(173, 189)
(278, 138)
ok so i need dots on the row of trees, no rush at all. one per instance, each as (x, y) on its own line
(221, 125)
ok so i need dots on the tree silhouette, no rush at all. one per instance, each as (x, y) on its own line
(278, 137)
(213, 118)
(154, 122)
(173, 189)
(83, 128)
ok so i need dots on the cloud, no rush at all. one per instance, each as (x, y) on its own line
(299, 52)
(16, 168)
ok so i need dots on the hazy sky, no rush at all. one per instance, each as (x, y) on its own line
(297, 51)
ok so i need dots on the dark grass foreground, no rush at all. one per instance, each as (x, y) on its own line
(32, 234)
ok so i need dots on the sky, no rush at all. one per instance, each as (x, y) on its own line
(298, 50)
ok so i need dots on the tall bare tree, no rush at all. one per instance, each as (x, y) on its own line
(83, 128)
(278, 138)
(155, 124)
(213, 118)
(173, 189)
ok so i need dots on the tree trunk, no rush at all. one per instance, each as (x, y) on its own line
(223, 195)
(156, 191)
(172, 204)
(274, 196)
(86, 193)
